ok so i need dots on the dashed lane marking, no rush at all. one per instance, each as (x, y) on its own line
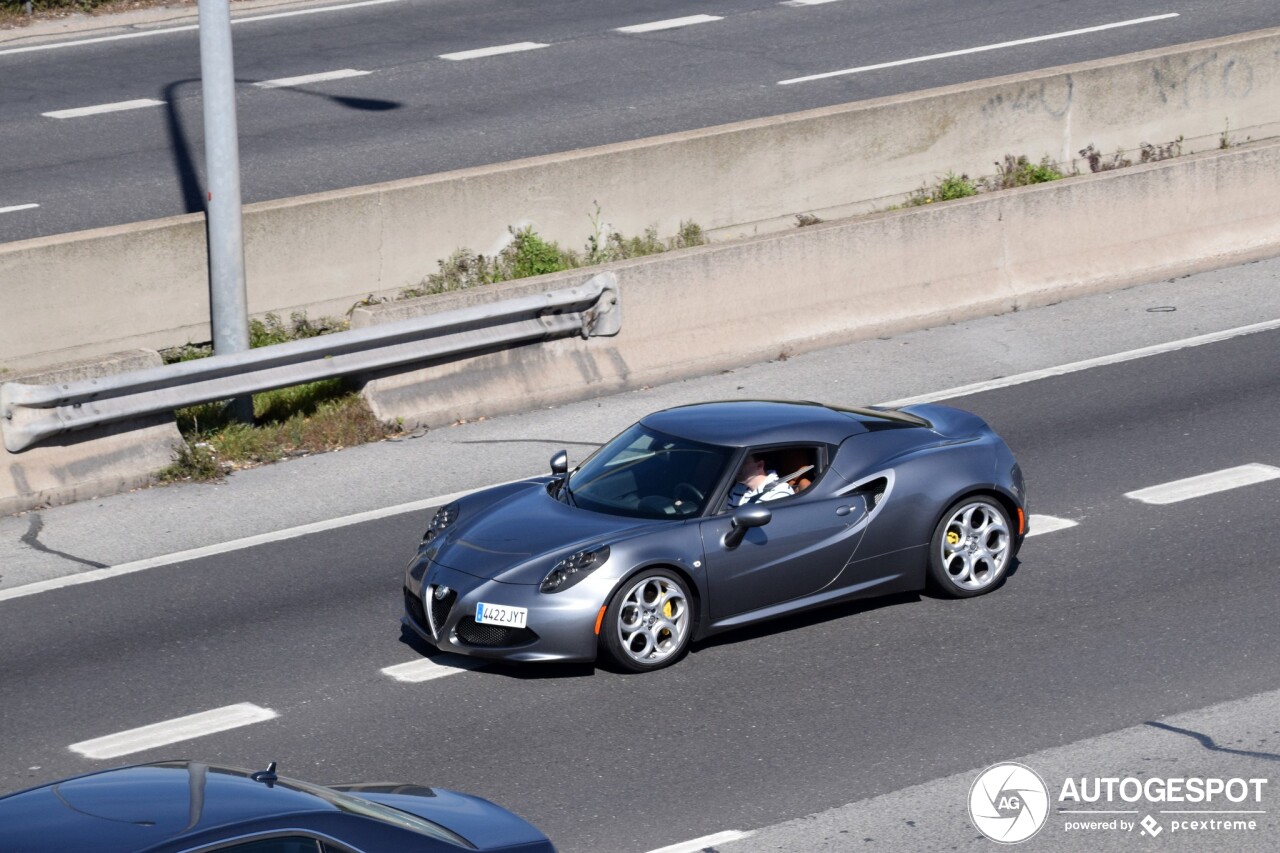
(669, 24)
(494, 51)
(288, 82)
(1205, 484)
(174, 731)
(429, 669)
(1038, 524)
(119, 106)
(16, 207)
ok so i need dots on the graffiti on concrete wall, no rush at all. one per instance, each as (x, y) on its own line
(1181, 82)
(1051, 97)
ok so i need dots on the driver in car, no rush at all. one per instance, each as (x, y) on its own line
(755, 484)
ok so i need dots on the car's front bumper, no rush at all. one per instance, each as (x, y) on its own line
(561, 626)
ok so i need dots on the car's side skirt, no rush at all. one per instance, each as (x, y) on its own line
(899, 582)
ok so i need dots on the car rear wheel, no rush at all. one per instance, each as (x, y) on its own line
(648, 623)
(971, 547)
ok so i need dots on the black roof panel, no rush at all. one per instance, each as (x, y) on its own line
(741, 423)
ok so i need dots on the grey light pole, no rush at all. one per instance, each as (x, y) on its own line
(229, 306)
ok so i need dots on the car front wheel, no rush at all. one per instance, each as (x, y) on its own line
(648, 623)
(971, 548)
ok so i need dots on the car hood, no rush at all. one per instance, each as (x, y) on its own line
(512, 539)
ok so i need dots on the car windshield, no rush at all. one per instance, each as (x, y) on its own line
(644, 473)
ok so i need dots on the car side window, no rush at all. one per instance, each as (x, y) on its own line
(775, 474)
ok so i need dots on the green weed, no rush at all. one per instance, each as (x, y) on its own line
(529, 254)
(1021, 172)
(952, 186)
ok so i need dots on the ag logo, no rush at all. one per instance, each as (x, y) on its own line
(1008, 803)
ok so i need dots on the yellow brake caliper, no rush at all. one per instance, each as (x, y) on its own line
(953, 538)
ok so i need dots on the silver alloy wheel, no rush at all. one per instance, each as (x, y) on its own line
(975, 545)
(653, 620)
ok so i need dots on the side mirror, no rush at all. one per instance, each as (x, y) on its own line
(560, 463)
(744, 517)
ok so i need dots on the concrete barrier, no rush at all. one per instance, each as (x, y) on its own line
(145, 284)
(98, 461)
(709, 308)
(705, 309)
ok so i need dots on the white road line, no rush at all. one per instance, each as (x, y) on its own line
(985, 47)
(494, 51)
(15, 208)
(429, 669)
(1047, 524)
(173, 731)
(415, 506)
(227, 547)
(1087, 364)
(119, 106)
(703, 843)
(806, 2)
(669, 24)
(1205, 484)
(191, 27)
(286, 82)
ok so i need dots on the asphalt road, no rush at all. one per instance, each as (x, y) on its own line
(411, 112)
(1137, 612)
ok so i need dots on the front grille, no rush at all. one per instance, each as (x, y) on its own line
(414, 608)
(473, 633)
(439, 608)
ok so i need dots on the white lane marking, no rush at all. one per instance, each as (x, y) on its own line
(191, 27)
(119, 106)
(1047, 524)
(15, 208)
(173, 731)
(982, 48)
(669, 24)
(1075, 366)
(494, 51)
(806, 2)
(235, 545)
(429, 669)
(414, 506)
(286, 82)
(703, 843)
(1206, 484)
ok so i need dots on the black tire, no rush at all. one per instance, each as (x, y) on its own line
(972, 547)
(649, 621)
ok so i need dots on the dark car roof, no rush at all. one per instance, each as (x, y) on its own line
(134, 807)
(740, 423)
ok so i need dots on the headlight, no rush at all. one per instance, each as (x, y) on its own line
(574, 568)
(444, 516)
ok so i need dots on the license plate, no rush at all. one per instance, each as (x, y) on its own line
(500, 614)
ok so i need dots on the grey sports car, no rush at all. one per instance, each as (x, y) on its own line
(659, 538)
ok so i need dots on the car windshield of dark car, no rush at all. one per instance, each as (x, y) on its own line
(647, 474)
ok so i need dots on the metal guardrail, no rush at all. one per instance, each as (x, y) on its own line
(31, 413)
